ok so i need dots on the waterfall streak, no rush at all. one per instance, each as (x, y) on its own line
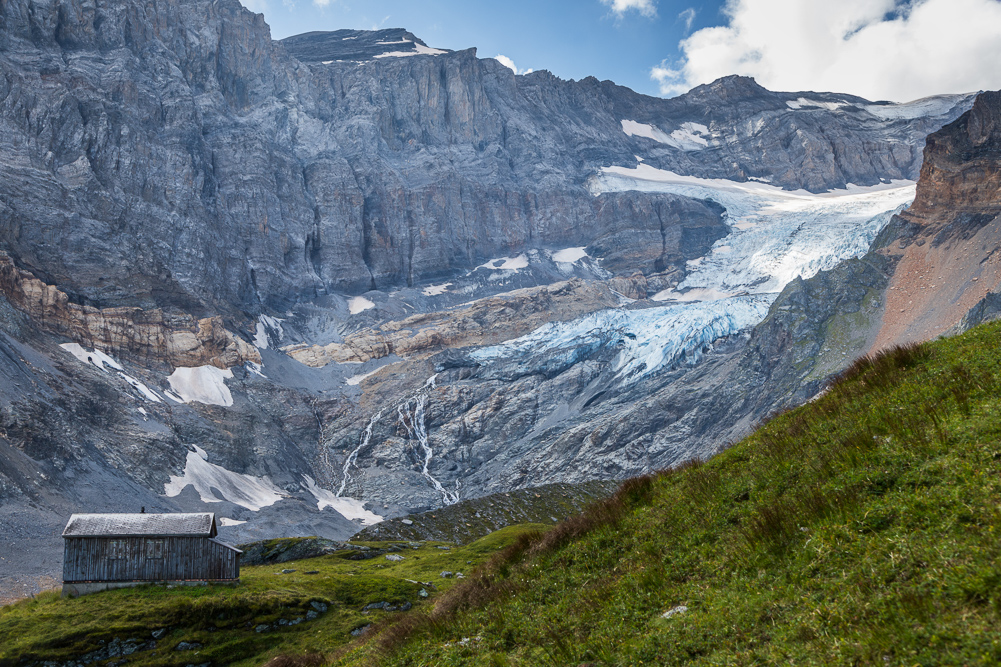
(353, 456)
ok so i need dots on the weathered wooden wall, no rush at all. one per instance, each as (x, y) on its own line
(127, 559)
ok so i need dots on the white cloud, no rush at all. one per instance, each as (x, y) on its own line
(647, 8)
(256, 6)
(687, 17)
(507, 62)
(879, 49)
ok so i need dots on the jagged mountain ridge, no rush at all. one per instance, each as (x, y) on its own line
(261, 180)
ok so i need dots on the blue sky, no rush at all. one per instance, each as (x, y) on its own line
(571, 38)
(897, 50)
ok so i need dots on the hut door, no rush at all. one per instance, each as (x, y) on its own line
(154, 560)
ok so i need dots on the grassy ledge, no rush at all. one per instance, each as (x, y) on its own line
(222, 625)
(860, 529)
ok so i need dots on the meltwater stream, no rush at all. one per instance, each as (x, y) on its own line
(410, 413)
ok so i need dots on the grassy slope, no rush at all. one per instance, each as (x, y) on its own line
(862, 528)
(223, 619)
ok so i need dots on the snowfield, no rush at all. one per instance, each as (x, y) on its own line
(349, 508)
(202, 384)
(215, 484)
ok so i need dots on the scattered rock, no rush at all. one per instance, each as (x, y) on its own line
(406, 522)
(287, 571)
(159, 634)
(394, 557)
(358, 632)
(262, 628)
(312, 572)
(680, 609)
(406, 606)
(423, 593)
(311, 615)
(318, 606)
(445, 574)
(187, 646)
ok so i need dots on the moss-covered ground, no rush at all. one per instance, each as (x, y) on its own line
(863, 528)
(224, 620)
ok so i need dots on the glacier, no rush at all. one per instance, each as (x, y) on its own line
(648, 339)
(775, 236)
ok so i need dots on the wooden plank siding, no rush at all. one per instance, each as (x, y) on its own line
(148, 558)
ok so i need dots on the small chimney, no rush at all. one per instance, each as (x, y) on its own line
(143, 510)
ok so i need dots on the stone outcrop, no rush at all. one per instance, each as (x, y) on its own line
(151, 338)
(948, 272)
(483, 322)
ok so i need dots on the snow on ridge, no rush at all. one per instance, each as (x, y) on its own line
(202, 384)
(100, 359)
(349, 508)
(648, 339)
(689, 137)
(936, 105)
(804, 103)
(212, 481)
(419, 50)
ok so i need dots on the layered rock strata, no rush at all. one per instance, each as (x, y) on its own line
(151, 338)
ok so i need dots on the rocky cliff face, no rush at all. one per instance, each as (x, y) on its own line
(236, 175)
(948, 273)
(311, 283)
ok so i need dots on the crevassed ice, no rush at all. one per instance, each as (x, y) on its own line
(648, 339)
(776, 235)
(215, 484)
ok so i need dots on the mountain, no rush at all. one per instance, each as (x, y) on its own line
(313, 283)
(856, 529)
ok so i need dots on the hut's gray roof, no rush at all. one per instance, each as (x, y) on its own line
(201, 524)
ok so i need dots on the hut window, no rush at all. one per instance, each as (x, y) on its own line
(116, 549)
(154, 549)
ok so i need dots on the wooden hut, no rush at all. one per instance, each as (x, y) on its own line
(104, 551)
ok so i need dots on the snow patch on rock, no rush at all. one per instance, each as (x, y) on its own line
(268, 327)
(436, 290)
(569, 255)
(357, 379)
(359, 304)
(419, 50)
(350, 508)
(202, 384)
(97, 358)
(215, 484)
(506, 263)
